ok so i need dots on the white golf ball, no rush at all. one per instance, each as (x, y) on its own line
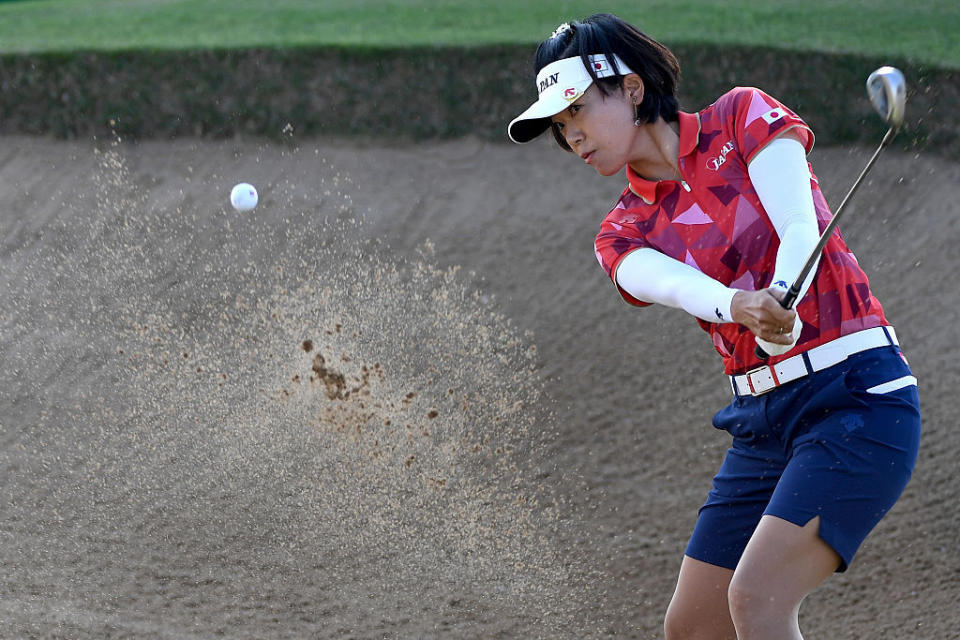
(244, 197)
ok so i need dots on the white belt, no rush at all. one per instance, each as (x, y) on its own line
(769, 377)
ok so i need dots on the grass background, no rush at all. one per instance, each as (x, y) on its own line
(162, 68)
(926, 32)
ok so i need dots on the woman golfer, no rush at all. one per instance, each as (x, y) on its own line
(720, 213)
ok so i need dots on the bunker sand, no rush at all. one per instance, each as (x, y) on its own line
(398, 399)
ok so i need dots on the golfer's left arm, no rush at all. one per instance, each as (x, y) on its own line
(781, 178)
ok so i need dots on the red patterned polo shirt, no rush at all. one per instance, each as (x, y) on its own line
(713, 220)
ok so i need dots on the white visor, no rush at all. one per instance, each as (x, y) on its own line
(559, 84)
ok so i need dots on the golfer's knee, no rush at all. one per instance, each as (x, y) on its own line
(754, 604)
(676, 625)
(686, 623)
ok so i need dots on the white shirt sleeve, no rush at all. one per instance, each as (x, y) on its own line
(651, 276)
(781, 177)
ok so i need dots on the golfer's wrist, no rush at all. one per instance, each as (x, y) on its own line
(723, 304)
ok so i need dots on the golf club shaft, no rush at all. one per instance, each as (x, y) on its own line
(790, 298)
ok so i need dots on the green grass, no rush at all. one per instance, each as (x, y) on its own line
(924, 31)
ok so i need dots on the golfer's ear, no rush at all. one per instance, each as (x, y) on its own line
(633, 86)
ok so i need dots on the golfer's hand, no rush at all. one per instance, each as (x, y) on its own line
(761, 313)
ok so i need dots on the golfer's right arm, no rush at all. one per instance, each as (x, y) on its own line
(781, 178)
(648, 275)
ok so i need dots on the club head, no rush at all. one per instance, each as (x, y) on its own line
(888, 93)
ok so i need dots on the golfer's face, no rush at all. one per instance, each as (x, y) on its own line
(599, 129)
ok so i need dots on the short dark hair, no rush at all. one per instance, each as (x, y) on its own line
(607, 34)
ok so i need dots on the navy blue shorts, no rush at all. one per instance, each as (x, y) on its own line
(839, 444)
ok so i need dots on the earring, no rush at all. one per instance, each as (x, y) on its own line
(636, 112)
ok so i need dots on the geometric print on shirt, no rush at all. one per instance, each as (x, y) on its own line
(714, 221)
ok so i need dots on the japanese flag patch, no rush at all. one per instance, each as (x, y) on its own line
(773, 115)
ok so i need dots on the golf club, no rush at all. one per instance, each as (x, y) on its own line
(888, 94)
